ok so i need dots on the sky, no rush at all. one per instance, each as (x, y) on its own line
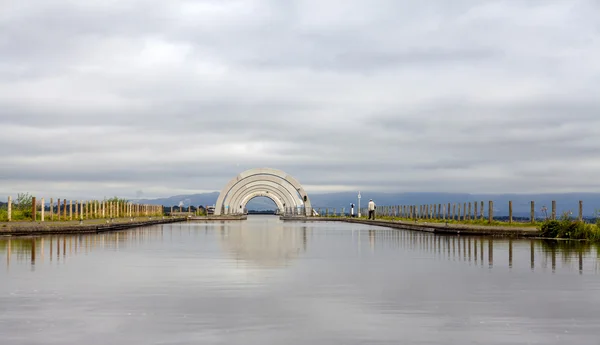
(157, 98)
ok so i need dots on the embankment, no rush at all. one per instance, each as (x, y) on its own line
(442, 228)
(75, 227)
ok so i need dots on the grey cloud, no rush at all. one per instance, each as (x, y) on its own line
(181, 96)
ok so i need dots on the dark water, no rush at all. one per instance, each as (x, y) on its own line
(266, 282)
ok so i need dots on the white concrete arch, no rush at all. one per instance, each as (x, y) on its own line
(253, 195)
(267, 185)
(283, 190)
(267, 191)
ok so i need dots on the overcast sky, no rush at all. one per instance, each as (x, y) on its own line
(155, 98)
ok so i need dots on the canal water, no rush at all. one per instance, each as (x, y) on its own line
(263, 281)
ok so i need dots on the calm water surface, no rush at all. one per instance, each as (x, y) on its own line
(263, 281)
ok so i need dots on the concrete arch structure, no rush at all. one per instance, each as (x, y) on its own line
(285, 191)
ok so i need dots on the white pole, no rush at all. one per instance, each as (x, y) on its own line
(359, 204)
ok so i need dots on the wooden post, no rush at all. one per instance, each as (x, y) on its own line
(43, 209)
(491, 212)
(70, 209)
(33, 209)
(9, 208)
(459, 213)
(510, 212)
(444, 212)
(465, 211)
(469, 216)
(453, 211)
(58, 208)
(482, 216)
(580, 210)
(532, 215)
(448, 212)
(553, 210)
(65, 208)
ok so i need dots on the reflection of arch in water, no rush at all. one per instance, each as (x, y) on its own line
(268, 246)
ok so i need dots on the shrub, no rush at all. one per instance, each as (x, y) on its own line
(573, 229)
(550, 228)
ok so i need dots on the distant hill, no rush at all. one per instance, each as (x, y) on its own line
(521, 202)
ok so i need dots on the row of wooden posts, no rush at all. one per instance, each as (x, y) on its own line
(459, 211)
(450, 211)
(89, 209)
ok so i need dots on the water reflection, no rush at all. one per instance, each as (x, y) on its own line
(268, 247)
(279, 246)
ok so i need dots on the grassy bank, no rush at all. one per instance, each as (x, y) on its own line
(571, 229)
(478, 222)
(565, 228)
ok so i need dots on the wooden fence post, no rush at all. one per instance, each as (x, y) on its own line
(491, 212)
(510, 212)
(532, 216)
(482, 211)
(70, 209)
(469, 216)
(43, 209)
(33, 209)
(9, 208)
(580, 210)
(553, 209)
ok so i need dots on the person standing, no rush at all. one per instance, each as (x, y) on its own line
(371, 209)
(351, 210)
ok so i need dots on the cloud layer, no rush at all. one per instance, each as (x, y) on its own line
(153, 98)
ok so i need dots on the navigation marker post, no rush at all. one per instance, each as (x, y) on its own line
(359, 204)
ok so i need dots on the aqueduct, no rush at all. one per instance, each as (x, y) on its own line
(285, 191)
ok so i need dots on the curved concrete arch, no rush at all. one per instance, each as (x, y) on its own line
(269, 192)
(285, 194)
(292, 197)
(270, 188)
(238, 188)
(263, 194)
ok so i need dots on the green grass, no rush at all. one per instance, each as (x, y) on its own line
(571, 229)
(565, 228)
(24, 216)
